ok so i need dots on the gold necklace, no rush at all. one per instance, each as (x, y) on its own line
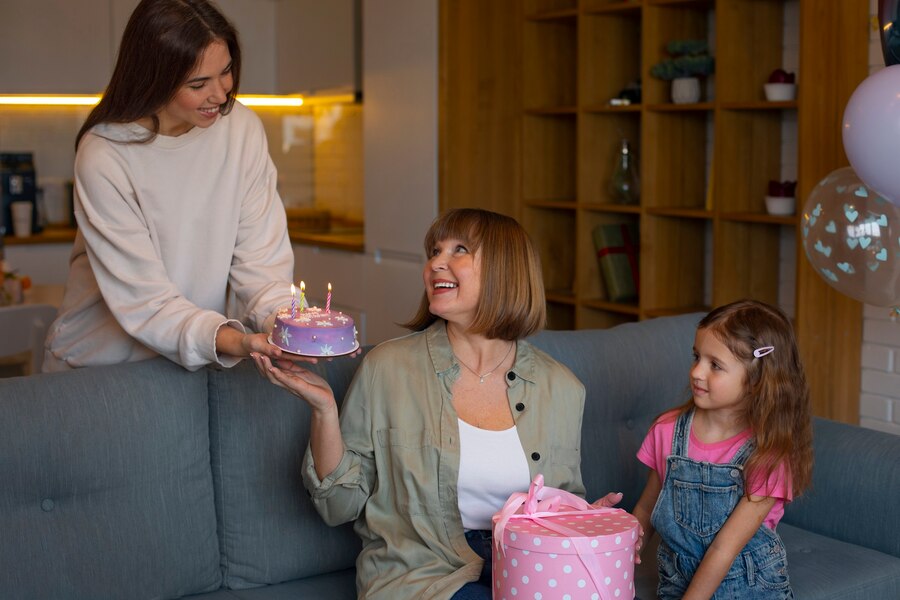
(491, 372)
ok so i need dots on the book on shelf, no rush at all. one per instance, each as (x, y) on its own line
(617, 254)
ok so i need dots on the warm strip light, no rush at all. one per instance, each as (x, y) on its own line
(257, 100)
(333, 99)
(254, 100)
(49, 100)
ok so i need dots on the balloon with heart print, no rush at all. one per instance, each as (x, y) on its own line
(851, 235)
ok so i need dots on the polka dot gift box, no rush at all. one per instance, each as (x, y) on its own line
(550, 544)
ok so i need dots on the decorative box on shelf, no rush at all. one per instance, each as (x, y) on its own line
(617, 254)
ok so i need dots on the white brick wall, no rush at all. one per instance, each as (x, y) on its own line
(879, 399)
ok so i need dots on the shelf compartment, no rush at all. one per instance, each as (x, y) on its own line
(673, 263)
(675, 174)
(664, 22)
(550, 63)
(684, 213)
(753, 217)
(610, 55)
(548, 152)
(746, 262)
(560, 316)
(604, 316)
(537, 8)
(759, 105)
(748, 155)
(599, 140)
(589, 278)
(754, 57)
(611, 6)
(553, 233)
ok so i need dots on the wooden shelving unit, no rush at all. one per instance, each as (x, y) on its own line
(576, 56)
(527, 130)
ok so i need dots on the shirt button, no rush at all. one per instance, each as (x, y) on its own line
(47, 505)
(520, 407)
(535, 456)
(629, 424)
(511, 376)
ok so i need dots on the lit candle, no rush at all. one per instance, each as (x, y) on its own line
(293, 301)
(328, 300)
(302, 296)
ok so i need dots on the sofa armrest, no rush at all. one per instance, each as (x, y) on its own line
(855, 489)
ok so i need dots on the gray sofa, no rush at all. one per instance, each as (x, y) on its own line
(147, 481)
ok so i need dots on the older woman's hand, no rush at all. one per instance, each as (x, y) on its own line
(304, 384)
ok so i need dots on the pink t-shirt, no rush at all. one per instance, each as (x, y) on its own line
(657, 447)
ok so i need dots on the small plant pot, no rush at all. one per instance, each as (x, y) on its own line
(780, 92)
(781, 205)
(685, 90)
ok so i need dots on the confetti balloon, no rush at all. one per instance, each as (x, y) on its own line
(851, 235)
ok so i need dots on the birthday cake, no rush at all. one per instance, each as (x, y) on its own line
(314, 332)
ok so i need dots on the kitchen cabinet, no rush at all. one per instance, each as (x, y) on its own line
(255, 24)
(55, 46)
(63, 47)
(318, 46)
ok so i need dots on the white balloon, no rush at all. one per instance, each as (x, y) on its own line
(871, 132)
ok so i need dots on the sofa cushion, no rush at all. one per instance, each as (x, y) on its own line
(828, 569)
(631, 374)
(118, 501)
(852, 463)
(269, 530)
(340, 585)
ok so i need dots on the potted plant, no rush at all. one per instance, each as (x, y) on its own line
(688, 61)
(780, 198)
(781, 86)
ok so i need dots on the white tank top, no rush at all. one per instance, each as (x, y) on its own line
(492, 465)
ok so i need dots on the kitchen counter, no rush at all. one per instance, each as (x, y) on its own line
(348, 239)
(50, 235)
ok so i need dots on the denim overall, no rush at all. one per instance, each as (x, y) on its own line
(696, 499)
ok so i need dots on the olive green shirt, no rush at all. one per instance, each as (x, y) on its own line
(397, 478)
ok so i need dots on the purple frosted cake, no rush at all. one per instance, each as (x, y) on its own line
(314, 332)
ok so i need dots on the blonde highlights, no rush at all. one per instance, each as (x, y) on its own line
(511, 302)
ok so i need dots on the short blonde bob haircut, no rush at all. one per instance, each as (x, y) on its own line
(512, 304)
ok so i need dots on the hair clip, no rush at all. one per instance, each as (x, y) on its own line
(762, 351)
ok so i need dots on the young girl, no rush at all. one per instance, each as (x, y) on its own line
(724, 464)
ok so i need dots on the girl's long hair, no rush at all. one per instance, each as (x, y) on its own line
(162, 43)
(778, 407)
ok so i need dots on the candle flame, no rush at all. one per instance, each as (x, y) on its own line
(293, 289)
(302, 286)
(329, 287)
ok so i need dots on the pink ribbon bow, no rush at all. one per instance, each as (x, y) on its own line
(542, 502)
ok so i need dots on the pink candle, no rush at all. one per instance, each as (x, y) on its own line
(302, 296)
(293, 301)
(328, 300)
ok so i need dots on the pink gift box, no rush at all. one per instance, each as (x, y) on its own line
(558, 549)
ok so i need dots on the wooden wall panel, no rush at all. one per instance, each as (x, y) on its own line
(834, 55)
(479, 104)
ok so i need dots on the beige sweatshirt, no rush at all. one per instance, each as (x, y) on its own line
(177, 237)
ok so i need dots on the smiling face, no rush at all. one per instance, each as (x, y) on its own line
(197, 101)
(718, 377)
(452, 278)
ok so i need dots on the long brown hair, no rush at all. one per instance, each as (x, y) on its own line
(777, 408)
(511, 305)
(163, 42)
